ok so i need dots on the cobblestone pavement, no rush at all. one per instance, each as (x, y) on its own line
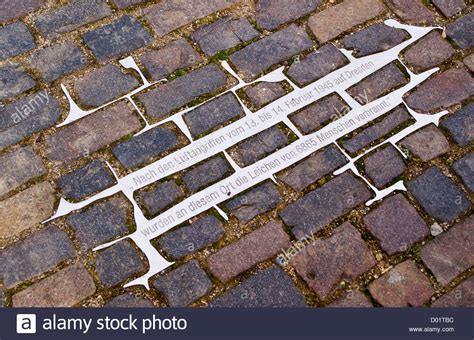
(379, 216)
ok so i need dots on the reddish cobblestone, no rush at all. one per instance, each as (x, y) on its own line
(428, 52)
(273, 13)
(461, 125)
(384, 166)
(396, 224)
(259, 200)
(223, 34)
(317, 64)
(176, 55)
(373, 39)
(26, 209)
(469, 62)
(450, 7)
(190, 239)
(326, 262)
(353, 299)
(323, 205)
(264, 93)
(460, 30)
(314, 116)
(18, 167)
(461, 296)
(313, 168)
(11, 10)
(384, 126)
(184, 285)
(465, 169)
(268, 288)
(412, 11)
(65, 288)
(442, 91)
(91, 133)
(67, 18)
(15, 39)
(169, 15)
(331, 22)
(374, 86)
(258, 146)
(426, 143)
(256, 247)
(438, 195)
(403, 286)
(34, 255)
(277, 47)
(103, 85)
(452, 252)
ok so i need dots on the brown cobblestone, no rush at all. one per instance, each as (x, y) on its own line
(353, 299)
(412, 11)
(427, 143)
(461, 296)
(450, 7)
(273, 13)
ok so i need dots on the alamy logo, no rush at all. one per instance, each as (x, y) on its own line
(26, 324)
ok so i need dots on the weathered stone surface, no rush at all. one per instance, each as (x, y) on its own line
(169, 15)
(389, 122)
(334, 20)
(317, 64)
(450, 7)
(85, 181)
(176, 55)
(159, 198)
(465, 169)
(403, 286)
(428, 52)
(11, 10)
(382, 81)
(104, 85)
(452, 252)
(258, 246)
(257, 201)
(326, 262)
(99, 224)
(206, 173)
(461, 31)
(438, 195)
(126, 3)
(223, 34)
(353, 299)
(268, 288)
(426, 143)
(461, 296)
(314, 116)
(26, 116)
(65, 288)
(128, 300)
(34, 255)
(375, 38)
(184, 285)
(273, 13)
(264, 93)
(13, 81)
(58, 60)
(469, 61)
(217, 111)
(121, 36)
(91, 133)
(71, 16)
(321, 206)
(25, 209)
(258, 146)
(412, 11)
(145, 147)
(442, 91)
(461, 125)
(384, 165)
(117, 263)
(277, 47)
(313, 168)
(190, 239)
(18, 167)
(15, 39)
(396, 224)
(169, 97)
